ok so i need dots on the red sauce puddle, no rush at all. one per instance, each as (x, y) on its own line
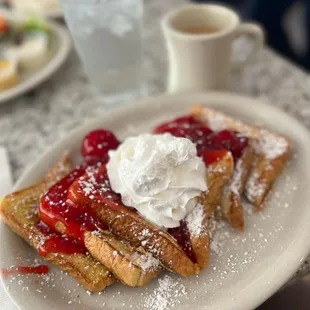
(39, 270)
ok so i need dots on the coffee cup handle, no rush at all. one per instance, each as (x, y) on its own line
(257, 33)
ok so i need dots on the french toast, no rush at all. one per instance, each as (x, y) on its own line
(131, 266)
(218, 174)
(271, 151)
(127, 224)
(19, 211)
(230, 203)
(111, 241)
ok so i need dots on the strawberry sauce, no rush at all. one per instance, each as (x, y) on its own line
(57, 243)
(16, 270)
(58, 213)
(204, 137)
(211, 147)
(69, 205)
(182, 237)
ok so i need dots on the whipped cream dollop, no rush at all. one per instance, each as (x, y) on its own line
(159, 175)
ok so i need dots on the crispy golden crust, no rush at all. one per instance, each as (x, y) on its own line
(218, 175)
(231, 209)
(19, 211)
(138, 232)
(118, 256)
(263, 174)
(201, 242)
(131, 266)
(231, 206)
(271, 151)
(61, 168)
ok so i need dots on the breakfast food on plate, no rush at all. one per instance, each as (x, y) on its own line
(8, 74)
(271, 151)
(25, 44)
(200, 222)
(131, 209)
(28, 43)
(35, 6)
(19, 212)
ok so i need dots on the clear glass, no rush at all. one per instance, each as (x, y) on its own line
(108, 39)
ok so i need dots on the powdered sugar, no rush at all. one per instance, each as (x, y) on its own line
(254, 187)
(195, 221)
(264, 142)
(90, 185)
(236, 180)
(216, 121)
(270, 145)
(166, 296)
(146, 261)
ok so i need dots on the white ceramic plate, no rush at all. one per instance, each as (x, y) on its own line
(245, 268)
(59, 51)
(50, 9)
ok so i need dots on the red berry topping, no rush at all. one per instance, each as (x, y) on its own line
(210, 156)
(181, 122)
(229, 140)
(186, 127)
(182, 237)
(98, 142)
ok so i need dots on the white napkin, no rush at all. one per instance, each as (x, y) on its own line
(5, 187)
(5, 173)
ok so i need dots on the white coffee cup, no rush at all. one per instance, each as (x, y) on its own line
(200, 59)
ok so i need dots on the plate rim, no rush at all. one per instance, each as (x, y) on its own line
(249, 301)
(64, 44)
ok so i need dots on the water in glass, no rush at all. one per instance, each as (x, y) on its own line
(107, 36)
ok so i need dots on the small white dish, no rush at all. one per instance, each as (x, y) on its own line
(47, 8)
(59, 51)
(245, 268)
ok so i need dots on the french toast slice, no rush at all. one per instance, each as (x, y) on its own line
(127, 224)
(133, 267)
(271, 151)
(230, 204)
(200, 221)
(81, 224)
(19, 211)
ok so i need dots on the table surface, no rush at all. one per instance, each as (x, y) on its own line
(29, 124)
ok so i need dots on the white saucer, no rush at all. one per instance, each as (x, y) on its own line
(251, 266)
(60, 49)
(51, 11)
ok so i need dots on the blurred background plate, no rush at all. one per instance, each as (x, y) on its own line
(60, 48)
(47, 8)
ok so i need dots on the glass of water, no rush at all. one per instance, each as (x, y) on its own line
(108, 39)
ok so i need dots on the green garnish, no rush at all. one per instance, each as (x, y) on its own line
(34, 23)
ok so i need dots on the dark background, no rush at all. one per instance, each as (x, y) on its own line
(286, 23)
